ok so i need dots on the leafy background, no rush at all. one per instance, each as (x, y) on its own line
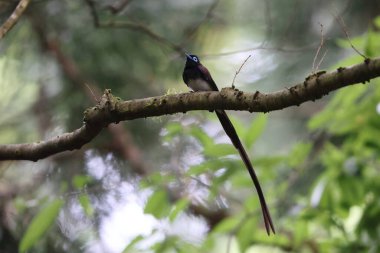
(183, 188)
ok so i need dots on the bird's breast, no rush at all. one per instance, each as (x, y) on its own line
(199, 85)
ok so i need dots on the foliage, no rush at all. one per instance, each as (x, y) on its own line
(40, 224)
(350, 158)
(195, 195)
(339, 213)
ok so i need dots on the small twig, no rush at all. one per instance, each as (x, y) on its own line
(315, 68)
(12, 20)
(131, 26)
(93, 12)
(92, 93)
(268, 22)
(144, 30)
(238, 71)
(118, 7)
(321, 60)
(261, 47)
(208, 15)
(229, 243)
(343, 26)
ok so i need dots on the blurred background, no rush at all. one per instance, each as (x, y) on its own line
(175, 183)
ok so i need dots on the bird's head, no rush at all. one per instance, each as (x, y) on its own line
(192, 60)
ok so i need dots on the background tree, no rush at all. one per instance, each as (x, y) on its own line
(174, 183)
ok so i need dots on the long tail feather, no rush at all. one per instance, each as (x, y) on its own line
(231, 132)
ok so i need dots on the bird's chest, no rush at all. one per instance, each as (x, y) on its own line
(198, 84)
(195, 81)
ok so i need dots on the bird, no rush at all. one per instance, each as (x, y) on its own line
(198, 78)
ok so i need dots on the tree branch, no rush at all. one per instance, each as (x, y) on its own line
(131, 26)
(118, 6)
(113, 110)
(12, 20)
(144, 30)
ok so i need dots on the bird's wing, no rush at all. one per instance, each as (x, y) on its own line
(207, 77)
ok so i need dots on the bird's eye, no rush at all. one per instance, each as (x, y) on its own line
(195, 59)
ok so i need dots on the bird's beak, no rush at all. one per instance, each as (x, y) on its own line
(188, 56)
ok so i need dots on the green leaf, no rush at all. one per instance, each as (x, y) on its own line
(342, 113)
(63, 187)
(246, 231)
(376, 21)
(166, 245)
(79, 181)
(357, 42)
(227, 225)
(213, 165)
(85, 202)
(269, 161)
(40, 224)
(218, 150)
(198, 169)
(252, 203)
(372, 45)
(299, 153)
(179, 206)
(221, 179)
(300, 231)
(130, 247)
(20, 204)
(159, 178)
(172, 128)
(241, 179)
(255, 130)
(225, 244)
(158, 204)
(239, 125)
(201, 136)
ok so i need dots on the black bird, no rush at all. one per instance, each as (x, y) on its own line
(198, 78)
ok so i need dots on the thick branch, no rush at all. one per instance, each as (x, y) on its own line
(314, 87)
(43, 149)
(121, 138)
(113, 110)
